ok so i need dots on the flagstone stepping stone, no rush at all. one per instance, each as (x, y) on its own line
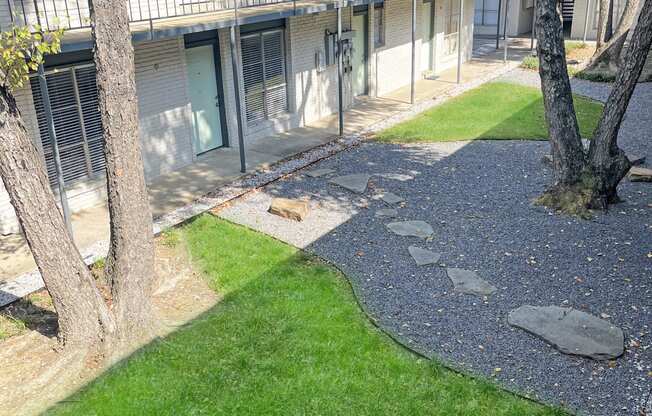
(292, 209)
(316, 173)
(419, 229)
(422, 256)
(636, 159)
(355, 183)
(570, 331)
(468, 281)
(391, 198)
(389, 213)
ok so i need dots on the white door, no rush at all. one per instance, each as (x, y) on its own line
(359, 55)
(426, 36)
(204, 98)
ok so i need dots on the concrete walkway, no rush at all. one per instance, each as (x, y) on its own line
(221, 166)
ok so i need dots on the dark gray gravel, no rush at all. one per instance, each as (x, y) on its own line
(477, 199)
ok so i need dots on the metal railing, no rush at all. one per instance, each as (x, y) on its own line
(75, 14)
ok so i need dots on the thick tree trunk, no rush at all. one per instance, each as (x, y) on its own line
(603, 18)
(607, 162)
(130, 265)
(84, 318)
(608, 56)
(565, 141)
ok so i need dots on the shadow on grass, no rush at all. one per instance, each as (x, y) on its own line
(288, 338)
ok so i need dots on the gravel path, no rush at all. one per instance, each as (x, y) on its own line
(477, 198)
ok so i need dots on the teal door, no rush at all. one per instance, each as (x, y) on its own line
(204, 98)
(359, 55)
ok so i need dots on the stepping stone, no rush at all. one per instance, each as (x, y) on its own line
(396, 176)
(638, 174)
(354, 183)
(316, 173)
(389, 213)
(292, 209)
(570, 331)
(422, 256)
(391, 198)
(419, 229)
(468, 281)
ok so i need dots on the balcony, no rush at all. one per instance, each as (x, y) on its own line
(152, 19)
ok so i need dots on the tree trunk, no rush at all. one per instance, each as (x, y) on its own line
(603, 17)
(607, 162)
(608, 56)
(565, 141)
(84, 318)
(130, 264)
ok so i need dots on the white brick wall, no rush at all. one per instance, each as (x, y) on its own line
(163, 106)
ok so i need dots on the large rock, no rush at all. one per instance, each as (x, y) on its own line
(293, 209)
(570, 331)
(639, 174)
(355, 183)
(468, 281)
(419, 229)
(422, 256)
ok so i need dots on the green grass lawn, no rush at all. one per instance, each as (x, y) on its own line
(496, 110)
(287, 339)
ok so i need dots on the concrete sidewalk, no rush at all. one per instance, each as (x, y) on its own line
(221, 166)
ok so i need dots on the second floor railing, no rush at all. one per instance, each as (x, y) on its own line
(75, 14)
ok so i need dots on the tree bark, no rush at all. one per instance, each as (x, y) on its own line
(130, 264)
(83, 316)
(565, 140)
(607, 162)
(603, 17)
(608, 56)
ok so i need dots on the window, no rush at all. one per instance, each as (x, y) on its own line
(77, 123)
(263, 68)
(451, 26)
(379, 25)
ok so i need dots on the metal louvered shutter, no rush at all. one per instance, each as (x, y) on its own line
(263, 68)
(77, 123)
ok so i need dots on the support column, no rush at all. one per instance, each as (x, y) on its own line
(413, 69)
(534, 25)
(460, 32)
(47, 109)
(238, 101)
(340, 92)
(506, 41)
(500, 7)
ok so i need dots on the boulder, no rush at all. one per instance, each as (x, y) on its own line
(639, 174)
(293, 209)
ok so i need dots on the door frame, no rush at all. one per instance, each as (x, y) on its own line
(363, 11)
(211, 38)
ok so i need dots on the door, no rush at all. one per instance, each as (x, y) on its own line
(359, 54)
(426, 36)
(204, 98)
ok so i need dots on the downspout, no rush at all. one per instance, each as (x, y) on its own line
(236, 85)
(340, 93)
(414, 35)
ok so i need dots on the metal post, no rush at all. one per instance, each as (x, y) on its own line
(236, 86)
(47, 109)
(340, 93)
(506, 41)
(414, 37)
(534, 24)
(586, 19)
(500, 6)
(460, 25)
